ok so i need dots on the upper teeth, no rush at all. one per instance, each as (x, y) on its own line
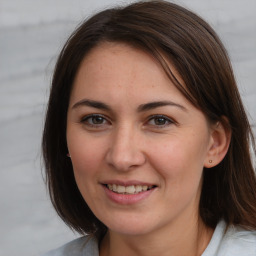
(133, 189)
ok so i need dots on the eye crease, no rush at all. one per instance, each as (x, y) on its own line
(94, 120)
(160, 120)
(97, 121)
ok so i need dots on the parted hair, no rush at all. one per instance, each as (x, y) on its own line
(167, 32)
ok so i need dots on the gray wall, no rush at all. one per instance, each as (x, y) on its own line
(31, 35)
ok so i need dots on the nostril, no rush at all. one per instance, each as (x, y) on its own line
(125, 160)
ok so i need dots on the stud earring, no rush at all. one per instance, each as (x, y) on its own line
(210, 161)
(68, 155)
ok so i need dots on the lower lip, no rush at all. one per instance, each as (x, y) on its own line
(126, 199)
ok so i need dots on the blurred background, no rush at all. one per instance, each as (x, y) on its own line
(32, 33)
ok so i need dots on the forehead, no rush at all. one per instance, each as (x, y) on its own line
(114, 58)
(121, 68)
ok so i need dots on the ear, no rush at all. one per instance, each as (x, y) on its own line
(219, 143)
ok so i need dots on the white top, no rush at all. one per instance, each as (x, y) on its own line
(234, 242)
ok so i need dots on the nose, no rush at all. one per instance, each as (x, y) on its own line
(125, 151)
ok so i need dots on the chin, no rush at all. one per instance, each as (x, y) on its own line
(130, 230)
(134, 226)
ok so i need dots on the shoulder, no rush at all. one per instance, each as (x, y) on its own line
(83, 246)
(239, 241)
(234, 241)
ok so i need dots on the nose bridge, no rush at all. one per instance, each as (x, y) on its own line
(125, 149)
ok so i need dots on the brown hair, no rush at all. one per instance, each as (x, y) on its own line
(165, 31)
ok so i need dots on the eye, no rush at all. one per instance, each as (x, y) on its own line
(160, 121)
(95, 120)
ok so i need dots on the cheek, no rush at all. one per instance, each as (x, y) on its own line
(86, 160)
(181, 160)
(85, 153)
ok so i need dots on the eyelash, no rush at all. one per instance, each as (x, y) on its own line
(163, 117)
(167, 121)
(85, 120)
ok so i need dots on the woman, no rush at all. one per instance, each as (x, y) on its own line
(146, 141)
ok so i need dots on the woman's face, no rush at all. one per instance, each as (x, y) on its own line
(137, 145)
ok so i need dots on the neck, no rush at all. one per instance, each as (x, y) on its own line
(178, 239)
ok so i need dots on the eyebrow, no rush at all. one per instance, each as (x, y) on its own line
(92, 103)
(156, 104)
(141, 108)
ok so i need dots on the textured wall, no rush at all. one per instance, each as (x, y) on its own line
(31, 34)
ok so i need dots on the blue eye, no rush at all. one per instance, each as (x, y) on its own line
(160, 120)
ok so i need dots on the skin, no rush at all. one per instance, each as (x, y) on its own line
(125, 142)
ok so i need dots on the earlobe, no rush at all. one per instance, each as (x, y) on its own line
(220, 140)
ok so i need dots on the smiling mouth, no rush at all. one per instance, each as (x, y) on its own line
(129, 190)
